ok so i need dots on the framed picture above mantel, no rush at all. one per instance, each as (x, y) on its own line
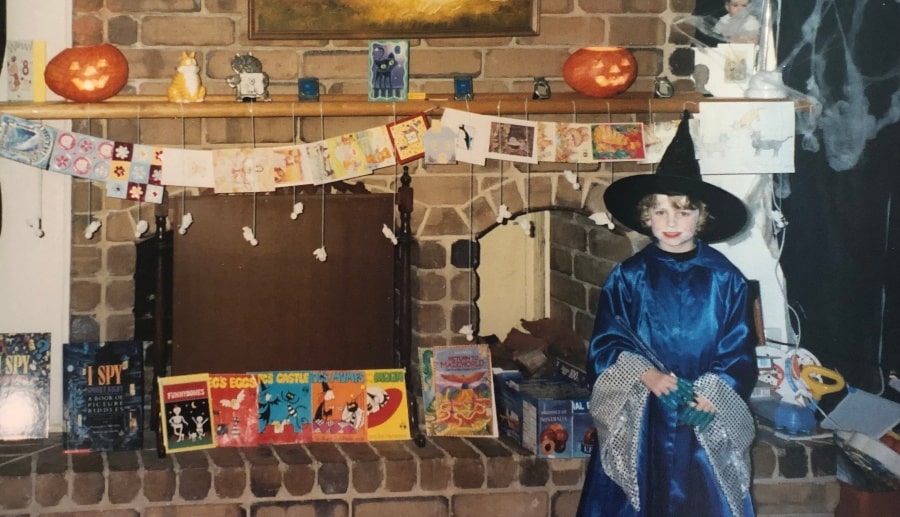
(364, 19)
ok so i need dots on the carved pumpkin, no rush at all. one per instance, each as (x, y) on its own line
(600, 71)
(87, 74)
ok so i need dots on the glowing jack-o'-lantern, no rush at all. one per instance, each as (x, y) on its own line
(87, 74)
(600, 71)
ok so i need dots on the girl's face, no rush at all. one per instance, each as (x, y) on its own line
(673, 227)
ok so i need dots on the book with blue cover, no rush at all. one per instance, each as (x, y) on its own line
(24, 386)
(103, 396)
(284, 407)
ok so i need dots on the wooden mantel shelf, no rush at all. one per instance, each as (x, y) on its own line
(224, 106)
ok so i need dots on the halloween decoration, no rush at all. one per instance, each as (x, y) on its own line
(308, 89)
(462, 88)
(186, 85)
(600, 71)
(249, 81)
(87, 74)
(541, 89)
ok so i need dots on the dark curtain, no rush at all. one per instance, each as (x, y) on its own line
(840, 256)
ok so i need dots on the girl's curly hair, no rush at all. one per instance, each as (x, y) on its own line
(679, 201)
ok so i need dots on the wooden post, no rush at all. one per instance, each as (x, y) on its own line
(160, 339)
(404, 302)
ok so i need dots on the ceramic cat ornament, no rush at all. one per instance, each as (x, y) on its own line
(186, 85)
(249, 81)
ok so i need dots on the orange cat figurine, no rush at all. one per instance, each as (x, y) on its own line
(186, 85)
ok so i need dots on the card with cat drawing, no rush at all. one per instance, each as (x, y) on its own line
(745, 137)
(388, 70)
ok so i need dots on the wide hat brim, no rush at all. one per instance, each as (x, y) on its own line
(728, 214)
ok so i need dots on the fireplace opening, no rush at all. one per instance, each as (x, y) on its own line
(544, 283)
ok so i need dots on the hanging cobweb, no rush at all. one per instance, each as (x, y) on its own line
(843, 64)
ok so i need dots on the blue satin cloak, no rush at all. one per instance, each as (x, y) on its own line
(695, 317)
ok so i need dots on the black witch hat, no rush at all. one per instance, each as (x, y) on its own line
(678, 173)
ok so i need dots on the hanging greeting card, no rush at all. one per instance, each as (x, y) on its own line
(564, 142)
(375, 144)
(618, 142)
(513, 140)
(188, 168)
(408, 137)
(346, 157)
(82, 156)
(471, 130)
(136, 173)
(241, 170)
(440, 144)
(25, 141)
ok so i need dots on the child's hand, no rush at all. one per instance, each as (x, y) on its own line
(659, 383)
(703, 404)
(690, 414)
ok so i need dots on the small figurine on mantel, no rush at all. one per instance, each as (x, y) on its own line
(186, 85)
(249, 81)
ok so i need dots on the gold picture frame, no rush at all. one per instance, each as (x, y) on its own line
(364, 19)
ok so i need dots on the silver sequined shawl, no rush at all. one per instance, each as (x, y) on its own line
(617, 404)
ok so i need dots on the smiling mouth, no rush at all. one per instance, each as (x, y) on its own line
(671, 235)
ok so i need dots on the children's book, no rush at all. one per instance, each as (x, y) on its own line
(283, 406)
(339, 399)
(234, 401)
(103, 396)
(426, 378)
(463, 391)
(24, 386)
(387, 406)
(187, 418)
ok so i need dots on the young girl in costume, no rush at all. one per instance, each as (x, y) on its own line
(672, 355)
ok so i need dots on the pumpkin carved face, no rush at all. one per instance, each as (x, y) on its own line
(87, 74)
(600, 71)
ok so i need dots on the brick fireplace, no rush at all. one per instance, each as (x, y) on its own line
(449, 476)
(460, 477)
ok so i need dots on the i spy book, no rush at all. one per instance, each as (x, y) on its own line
(24, 386)
(103, 396)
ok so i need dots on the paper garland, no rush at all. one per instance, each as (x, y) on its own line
(141, 172)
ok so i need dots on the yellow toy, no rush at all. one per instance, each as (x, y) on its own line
(186, 85)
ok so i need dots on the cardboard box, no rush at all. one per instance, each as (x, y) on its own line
(571, 372)
(584, 430)
(509, 403)
(541, 415)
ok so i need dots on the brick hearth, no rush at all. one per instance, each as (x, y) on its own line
(449, 476)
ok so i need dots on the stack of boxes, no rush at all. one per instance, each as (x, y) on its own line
(548, 417)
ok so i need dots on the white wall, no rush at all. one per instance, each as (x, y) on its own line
(34, 271)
